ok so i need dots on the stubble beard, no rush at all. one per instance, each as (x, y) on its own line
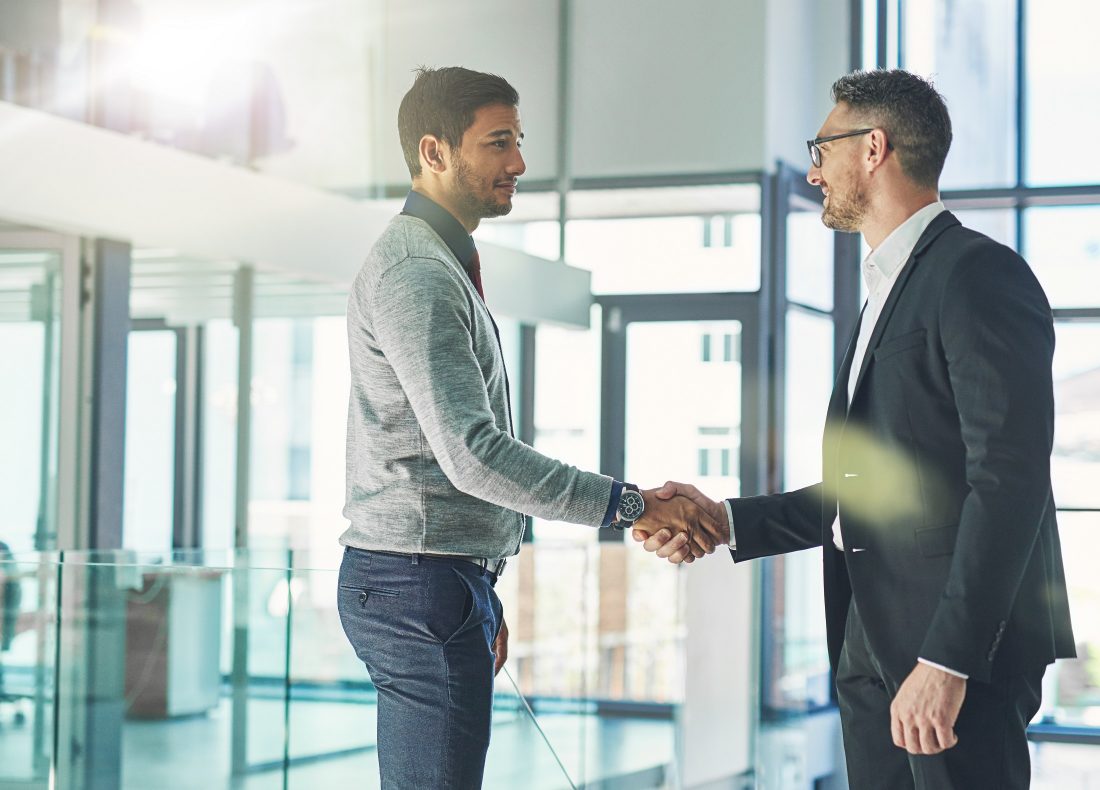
(846, 214)
(469, 194)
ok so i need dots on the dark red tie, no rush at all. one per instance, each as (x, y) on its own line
(475, 274)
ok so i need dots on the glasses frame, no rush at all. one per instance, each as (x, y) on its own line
(815, 152)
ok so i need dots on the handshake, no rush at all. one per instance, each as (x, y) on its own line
(680, 523)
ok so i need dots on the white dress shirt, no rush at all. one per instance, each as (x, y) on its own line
(881, 270)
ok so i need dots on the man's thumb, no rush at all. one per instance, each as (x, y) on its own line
(668, 490)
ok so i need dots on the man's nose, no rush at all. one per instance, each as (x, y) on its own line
(813, 176)
(517, 166)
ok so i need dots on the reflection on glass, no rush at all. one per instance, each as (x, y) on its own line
(809, 260)
(667, 254)
(1075, 463)
(1062, 69)
(150, 468)
(969, 51)
(1063, 247)
(29, 336)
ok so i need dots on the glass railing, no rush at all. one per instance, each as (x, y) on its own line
(204, 670)
(28, 653)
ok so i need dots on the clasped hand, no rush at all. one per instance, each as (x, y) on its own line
(681, 524)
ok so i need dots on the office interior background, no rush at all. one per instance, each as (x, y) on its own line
(187, 187)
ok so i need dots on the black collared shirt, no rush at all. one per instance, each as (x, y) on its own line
(443, 222)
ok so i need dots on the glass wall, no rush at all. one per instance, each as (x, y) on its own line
(112, 674)
(28, 645)
(30, 288)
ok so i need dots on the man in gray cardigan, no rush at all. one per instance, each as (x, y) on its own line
(436, 482)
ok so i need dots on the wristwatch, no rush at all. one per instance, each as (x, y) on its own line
(631, 507)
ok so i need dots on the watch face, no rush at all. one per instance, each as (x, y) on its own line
(631, 505)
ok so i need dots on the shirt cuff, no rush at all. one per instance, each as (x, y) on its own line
(613, 505)
(944, 669)
(729, 521)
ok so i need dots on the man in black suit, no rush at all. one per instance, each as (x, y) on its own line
(945, 597)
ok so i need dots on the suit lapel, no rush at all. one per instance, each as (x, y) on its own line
(838, 403)
(941, 223)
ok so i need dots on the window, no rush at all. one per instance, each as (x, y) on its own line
(729, 343)
(969, 51)
(1063, 247)
(1062, 70)
(666, 240)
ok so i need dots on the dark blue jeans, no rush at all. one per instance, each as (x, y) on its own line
(424, 627)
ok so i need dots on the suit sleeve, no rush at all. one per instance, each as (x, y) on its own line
(776, 523)
(998, 339)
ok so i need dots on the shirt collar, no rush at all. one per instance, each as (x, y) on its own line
(884, 262)
(440, 220)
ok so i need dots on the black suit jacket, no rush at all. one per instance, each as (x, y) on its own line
(940, 471)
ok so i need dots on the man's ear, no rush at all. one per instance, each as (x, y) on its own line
(877, 149)
(431, 153)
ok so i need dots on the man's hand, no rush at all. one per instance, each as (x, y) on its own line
(923, 714)
(500, 647)
(674, 546)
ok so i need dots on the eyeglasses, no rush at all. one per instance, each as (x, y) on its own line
(815, 152)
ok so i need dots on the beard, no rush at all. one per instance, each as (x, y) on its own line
(846, 213)
(475, 197)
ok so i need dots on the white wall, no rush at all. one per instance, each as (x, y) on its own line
(667, 87)
(806, 50)
(518, 40)
(656, 87)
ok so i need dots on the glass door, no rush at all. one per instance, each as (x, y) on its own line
(32, 267)
(683, 422)
(681, 377)
(795, 670)
(29, 335)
